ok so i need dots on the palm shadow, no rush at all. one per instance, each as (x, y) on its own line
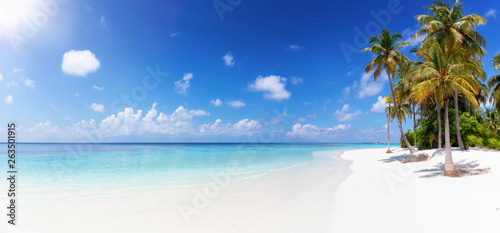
(438, 169)
(395, 158)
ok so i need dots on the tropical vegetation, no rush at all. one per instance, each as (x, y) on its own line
(445, 85)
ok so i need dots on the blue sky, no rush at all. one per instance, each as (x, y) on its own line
(170, 71)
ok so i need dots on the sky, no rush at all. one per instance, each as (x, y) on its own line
(202, 71)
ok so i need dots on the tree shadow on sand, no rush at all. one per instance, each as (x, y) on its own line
(395, 158)
(469, 168)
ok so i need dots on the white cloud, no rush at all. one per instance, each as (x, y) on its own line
(55, 108)
(301, 119)
(98, 88)
(97, 107)
(30, 83)
(297, 81)
(243, 127)
(312, 115)
(380, 105)
(103, 21)
(295, 47)
(310, 130)
(183, 84)
(79, 62)
(1, 77)
(408, 33)
(273, 87)
(345, 115)
(175, 34)
(368, 87)
(9, 99)
(216, 102)
(12, 83)
(236, 103)
(492, 13)
(77, 94)
(228, 59)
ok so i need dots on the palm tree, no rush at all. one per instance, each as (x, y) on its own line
(403, 88)
(388, 100)
(494, 83)
(388, 58)
(445, 71)
(492, 120)
(447, 24)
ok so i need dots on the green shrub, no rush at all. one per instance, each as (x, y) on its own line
(493, 143)
(475, 141)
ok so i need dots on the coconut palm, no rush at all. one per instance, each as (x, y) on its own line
(494, 83)
(403, 87)
(444, 71)
(492, 120)
(388, 100)
(388, 58)
(447, 24)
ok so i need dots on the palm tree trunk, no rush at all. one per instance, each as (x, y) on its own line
(415, 124)
(388, 131)
(438, 109)
(408, 145)
(457, 123)
(448, 159)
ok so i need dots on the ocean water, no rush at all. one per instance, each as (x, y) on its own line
(72, 170)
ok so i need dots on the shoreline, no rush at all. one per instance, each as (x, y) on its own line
(298, 199)
(384, 195)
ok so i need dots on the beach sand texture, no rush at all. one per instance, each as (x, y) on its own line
(384, 195)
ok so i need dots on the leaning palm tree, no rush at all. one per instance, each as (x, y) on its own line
(388, 58)
(494, 83)
(444, 71)
(447, 24)
(405, 74)
(388, 100)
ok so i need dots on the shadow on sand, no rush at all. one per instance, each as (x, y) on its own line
(470, 167)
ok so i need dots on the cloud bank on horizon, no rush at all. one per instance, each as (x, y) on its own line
(86, 71)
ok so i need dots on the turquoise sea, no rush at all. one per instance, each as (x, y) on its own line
(72, 170)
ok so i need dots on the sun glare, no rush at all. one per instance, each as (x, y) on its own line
(14, 12)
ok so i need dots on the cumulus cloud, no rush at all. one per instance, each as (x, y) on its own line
(295, 47)
(243, 127)
(236, 103)
(345, 115)
(368, 87)
(310, 130)
(97, 107)
(183, 84)
(297, 81)
(228, 59)
(30, 83)
(492, 13)
(9, 99)
(380, 105)
(273, 87)
(79, 62)
(98, 88)
(216, 102)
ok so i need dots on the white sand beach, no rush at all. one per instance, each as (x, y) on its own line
(294, 200)
(380, 194)
(384, 195)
